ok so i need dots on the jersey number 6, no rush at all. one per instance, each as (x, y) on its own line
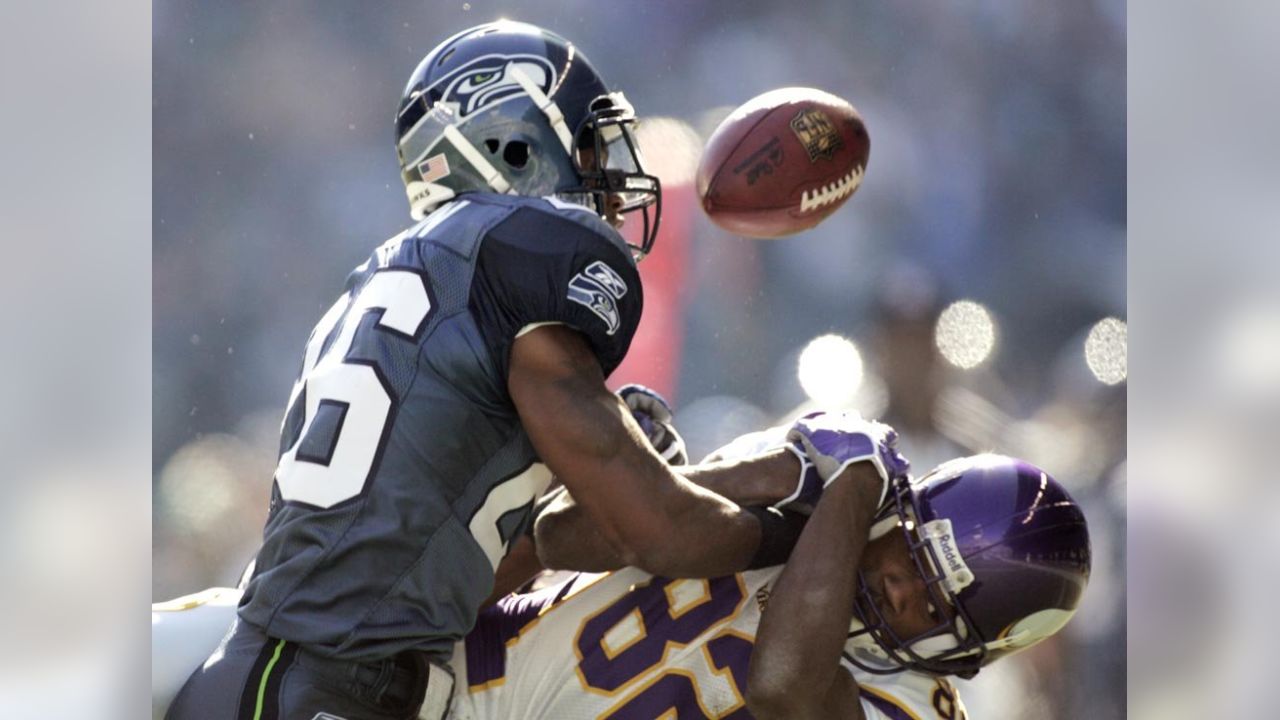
(347, 401)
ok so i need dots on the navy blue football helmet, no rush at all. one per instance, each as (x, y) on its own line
(508, 107)
(1001, 547)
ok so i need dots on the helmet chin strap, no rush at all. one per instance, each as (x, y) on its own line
(477, 160)
(864, 645)
(546, 105)
(882, 528)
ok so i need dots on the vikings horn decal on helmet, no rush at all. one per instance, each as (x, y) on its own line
(509, 107)
(1000, 545)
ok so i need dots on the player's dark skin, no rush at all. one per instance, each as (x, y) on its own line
(645, 513)
(795, 668)
(567, 537)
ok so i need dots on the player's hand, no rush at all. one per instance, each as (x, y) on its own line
(832, 442)
(653, 414)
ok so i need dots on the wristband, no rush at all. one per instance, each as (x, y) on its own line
(779, 531)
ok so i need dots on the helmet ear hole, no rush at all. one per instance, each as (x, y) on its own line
(516, 154)
(492, 146)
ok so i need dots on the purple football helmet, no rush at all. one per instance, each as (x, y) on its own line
(1000, 544)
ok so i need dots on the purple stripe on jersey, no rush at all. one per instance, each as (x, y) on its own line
(486, 644)
(888, 707)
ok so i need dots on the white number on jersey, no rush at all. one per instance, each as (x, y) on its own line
(351, 389)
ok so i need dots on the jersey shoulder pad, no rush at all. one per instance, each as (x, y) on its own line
(547, 264)
(580, 214)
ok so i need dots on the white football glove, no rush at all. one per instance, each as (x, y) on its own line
(653, 414)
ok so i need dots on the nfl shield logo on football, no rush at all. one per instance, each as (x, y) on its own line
(815, 131)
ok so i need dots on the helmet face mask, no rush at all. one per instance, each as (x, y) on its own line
(1003, 552)
(508, 107)
(607, 159)
(948, 648)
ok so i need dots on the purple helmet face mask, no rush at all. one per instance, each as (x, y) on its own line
(1010, 562)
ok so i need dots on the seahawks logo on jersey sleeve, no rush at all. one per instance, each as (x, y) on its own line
(599, 288)
(489, 80)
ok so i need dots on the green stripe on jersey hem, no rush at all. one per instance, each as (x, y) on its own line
(262, 684)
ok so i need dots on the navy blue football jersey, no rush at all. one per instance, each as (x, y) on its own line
(404, 470)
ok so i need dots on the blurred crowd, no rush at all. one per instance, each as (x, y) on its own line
(996, 177)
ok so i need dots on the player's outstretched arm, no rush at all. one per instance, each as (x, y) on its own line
(795, 667)
(650, 516)
(762, 479)
(568, 538)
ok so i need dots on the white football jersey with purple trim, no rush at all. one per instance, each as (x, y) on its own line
(628, 645)
(620, 645)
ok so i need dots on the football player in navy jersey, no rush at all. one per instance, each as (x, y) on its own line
(462, 367)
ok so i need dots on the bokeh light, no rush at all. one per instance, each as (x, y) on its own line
(671, 149)
(1106, 350)
(1248, 349)
(830, 370)
(199, 483)
(965, 334)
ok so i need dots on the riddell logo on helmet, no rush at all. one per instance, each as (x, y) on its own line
(940, 537)
(954, 563)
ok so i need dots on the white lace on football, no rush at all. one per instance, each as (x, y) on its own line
(831, 192)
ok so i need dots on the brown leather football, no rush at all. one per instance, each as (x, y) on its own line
(782, 162)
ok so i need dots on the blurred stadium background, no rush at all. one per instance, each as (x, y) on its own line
(972, 293)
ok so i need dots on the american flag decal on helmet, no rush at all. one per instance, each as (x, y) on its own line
(434, 168)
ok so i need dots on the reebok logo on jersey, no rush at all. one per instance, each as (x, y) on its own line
(598, 288)
(327, 716)
(607, 278)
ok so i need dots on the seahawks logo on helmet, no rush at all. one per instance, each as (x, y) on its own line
(490, 80)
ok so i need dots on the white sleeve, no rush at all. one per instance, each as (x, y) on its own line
(751, 444)
(904, 696)
(184, 632)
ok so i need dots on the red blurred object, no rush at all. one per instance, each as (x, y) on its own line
(782, 162)
(654, 357)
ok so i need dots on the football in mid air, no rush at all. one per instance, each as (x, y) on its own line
(782, 162)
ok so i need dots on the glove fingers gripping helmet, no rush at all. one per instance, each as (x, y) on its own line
(1000, 544)
(508, 107)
